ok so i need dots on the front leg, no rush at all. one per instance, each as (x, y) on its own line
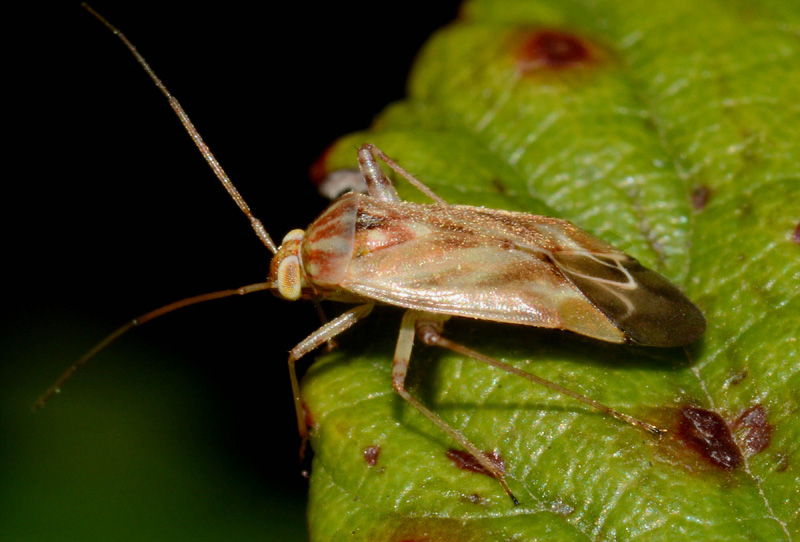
(419, 322)
(324, 334)
(378, 184)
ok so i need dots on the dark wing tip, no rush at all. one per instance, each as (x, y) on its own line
(665, 317)
(647, 307)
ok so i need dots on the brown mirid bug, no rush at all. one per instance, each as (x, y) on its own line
(439, 261)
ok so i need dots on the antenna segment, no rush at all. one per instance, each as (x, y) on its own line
(258, 227)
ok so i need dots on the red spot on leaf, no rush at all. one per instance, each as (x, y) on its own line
(310, 421)
(707, 433)
(466, 461)
(319, 168)
(553, 49)
(796, 236)
(752, 430)
(700, 197)
(371, 455)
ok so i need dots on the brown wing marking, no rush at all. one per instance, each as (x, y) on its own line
(328, 244)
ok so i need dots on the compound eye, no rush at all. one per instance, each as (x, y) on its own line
(294, 235)
(289, 286)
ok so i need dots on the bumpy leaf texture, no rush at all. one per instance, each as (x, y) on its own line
(670, 130)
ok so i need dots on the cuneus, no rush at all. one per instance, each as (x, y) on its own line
(438, 261)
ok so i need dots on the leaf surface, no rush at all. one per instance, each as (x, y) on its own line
(670, 131)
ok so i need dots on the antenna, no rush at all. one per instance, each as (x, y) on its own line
(258, 227)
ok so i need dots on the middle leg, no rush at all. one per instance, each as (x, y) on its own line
(413, 320)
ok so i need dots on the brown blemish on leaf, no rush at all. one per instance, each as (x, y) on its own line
(783, 463)
(796, 236)
(736, 378)
(700, 197)
(706, 433)
(752, 431)
(499, 187)
(553, 49)
(371, 455)
(465, 461)
(474, 498)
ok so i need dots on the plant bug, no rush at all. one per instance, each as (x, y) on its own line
(439, 261)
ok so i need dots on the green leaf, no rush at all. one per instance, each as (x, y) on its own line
(669, 130)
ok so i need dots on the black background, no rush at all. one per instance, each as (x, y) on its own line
(110, 211)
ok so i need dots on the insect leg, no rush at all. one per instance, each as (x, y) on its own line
(412, 322)
(378, 184)
(432, 336)
(323, 318)
(325, 333)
